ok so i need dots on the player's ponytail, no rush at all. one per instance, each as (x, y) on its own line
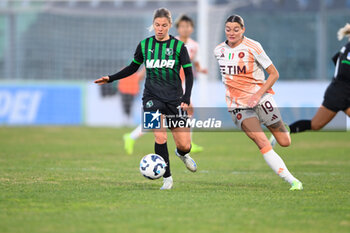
(344, 31)
(235, 19)
(161, 13)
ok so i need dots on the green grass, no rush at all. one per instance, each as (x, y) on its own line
(69, 179)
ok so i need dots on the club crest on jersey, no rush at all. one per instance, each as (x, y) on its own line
(160, 63)
(149, 104)
(169, 51)
(241, 55)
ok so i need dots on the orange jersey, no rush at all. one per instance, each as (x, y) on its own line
(130, 85)
(242, 70)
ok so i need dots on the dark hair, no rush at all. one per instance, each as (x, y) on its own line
(162, 12)
(184, 18)
(235, 19)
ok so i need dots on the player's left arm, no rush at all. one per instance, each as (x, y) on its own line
(199, 68)
(186, 64)
(271, 79)
(196, 63)
(262, 58)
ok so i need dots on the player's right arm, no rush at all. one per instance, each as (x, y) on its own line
(127, 71)
(194, 59)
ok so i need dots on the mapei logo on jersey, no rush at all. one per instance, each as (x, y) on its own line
(152, 120)
(160, 63)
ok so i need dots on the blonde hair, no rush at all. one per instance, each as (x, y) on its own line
(161, 13)
(344, 31)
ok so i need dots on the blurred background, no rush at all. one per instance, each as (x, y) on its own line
(51, 51)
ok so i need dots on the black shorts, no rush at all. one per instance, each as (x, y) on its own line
(337, 96)
(171, 109)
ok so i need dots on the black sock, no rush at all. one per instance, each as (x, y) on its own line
(182, 153)
(300, 126)
(162, 150)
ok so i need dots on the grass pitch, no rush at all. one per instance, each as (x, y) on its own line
(80, 180)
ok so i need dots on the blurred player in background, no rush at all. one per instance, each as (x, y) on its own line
(163, 55)
(337, 95)
(249, 97)
(185, 27)
(128, 89)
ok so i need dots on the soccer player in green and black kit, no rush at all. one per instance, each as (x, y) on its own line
(163, 55)
(337, 96)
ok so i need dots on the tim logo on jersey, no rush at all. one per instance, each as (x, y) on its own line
(233, 69)
(160, 63)
(152, 120)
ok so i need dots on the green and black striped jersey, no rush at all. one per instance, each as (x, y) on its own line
(342, 64)
(162, 60)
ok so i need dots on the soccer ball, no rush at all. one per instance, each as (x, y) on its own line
(152, 166)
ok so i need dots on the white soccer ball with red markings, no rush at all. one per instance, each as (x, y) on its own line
(152, 166)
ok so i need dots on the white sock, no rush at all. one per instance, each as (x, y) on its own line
(277, 165)
(137, 132)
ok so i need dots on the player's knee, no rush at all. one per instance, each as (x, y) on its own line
(285, 141)
(161, 139)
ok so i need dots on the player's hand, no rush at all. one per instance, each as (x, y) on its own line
(102, 80)
(254, 100)
(203, 71)
(187, 108)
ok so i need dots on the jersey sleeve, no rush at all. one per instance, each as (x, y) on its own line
(335, 58)
(261, 57)
(216, 53)
(347, 53)
(342, 67)
(345, 61)
(138, 56)
(184, 58)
